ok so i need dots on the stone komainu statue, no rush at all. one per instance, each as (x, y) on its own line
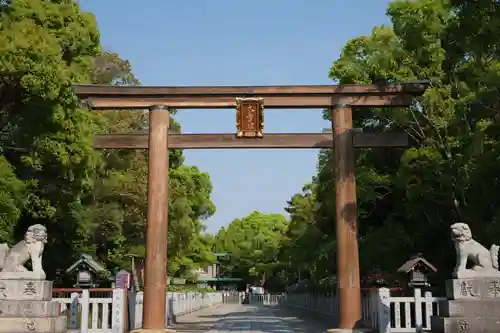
(12, 260)
(484, 261)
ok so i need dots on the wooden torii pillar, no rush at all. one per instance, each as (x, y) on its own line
(250, 102)
(155, 273)
(348, 278)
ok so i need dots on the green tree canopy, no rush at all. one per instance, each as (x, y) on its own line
(45, 46)
(252, 243)
(91, 201)
(407, 198)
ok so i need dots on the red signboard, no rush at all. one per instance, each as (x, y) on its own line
(122, 280)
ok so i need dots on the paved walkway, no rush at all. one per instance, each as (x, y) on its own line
(247, 319)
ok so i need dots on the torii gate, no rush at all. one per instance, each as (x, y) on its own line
(249, 102)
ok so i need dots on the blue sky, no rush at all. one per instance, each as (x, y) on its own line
(229, 42)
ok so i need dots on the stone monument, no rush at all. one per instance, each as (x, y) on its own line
(473, 295)
(25, 296)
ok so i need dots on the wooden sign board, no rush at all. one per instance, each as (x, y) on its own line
(249, 117)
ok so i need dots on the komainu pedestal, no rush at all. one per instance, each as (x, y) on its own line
(25, 296)
(473, 305)
(473, 296)
(27, 306)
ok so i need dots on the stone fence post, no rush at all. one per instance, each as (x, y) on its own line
(383, 306)
(73, 311)
(84, 302)
(117, 320)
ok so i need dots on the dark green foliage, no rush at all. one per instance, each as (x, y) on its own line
(90, 201)
(407, 198)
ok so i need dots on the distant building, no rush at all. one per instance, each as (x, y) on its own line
(210, 275)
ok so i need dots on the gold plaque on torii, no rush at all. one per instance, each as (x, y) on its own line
(249, 117)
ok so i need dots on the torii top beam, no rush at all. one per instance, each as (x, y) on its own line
(275, 97)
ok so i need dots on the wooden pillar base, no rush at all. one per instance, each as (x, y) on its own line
(152, 330)
(350, 330)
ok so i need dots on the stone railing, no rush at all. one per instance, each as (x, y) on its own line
(107, 314)
(380, 310)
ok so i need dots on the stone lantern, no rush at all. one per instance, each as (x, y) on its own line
(417, 269)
